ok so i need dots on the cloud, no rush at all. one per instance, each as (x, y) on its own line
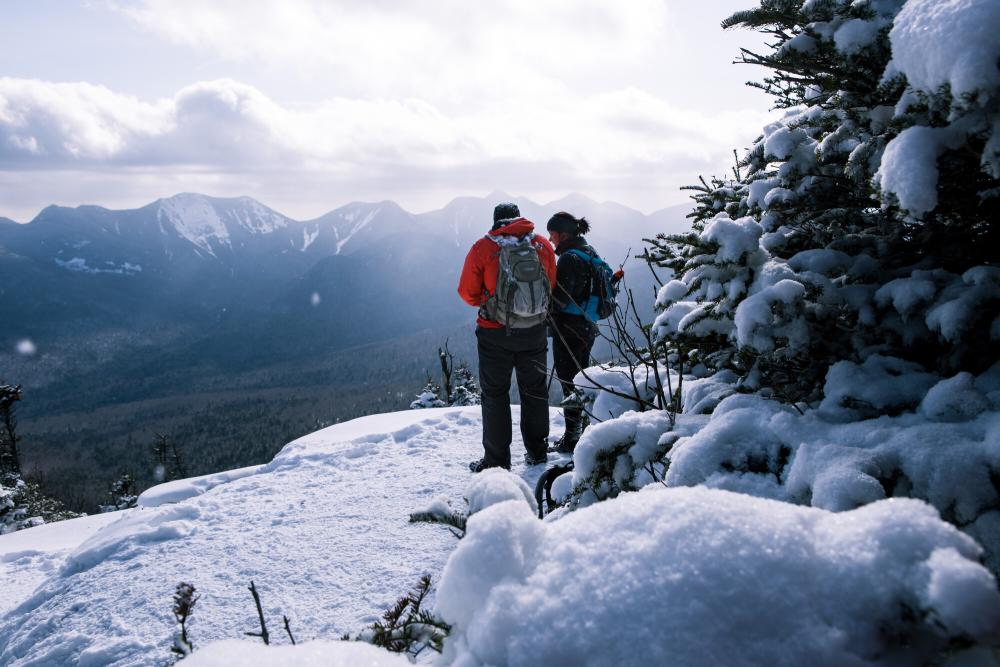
(415, 100)
(226, 130)
(448, 51)
(43, 123)
(227, 125)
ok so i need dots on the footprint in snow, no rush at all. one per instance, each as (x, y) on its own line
(359, 450)
(405, 433)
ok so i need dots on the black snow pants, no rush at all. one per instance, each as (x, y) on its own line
(500, 353)
(572, 340)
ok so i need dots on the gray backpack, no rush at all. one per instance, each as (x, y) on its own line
(523, 290)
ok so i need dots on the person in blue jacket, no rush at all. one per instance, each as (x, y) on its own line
(573, 333)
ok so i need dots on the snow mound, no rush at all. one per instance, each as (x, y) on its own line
(698, 576)
(496, 485)
(182, 489)
(124, 538)
(309, 654)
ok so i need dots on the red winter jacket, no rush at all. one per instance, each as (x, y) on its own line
(479, 275)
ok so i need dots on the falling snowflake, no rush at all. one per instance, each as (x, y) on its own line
(26, 347)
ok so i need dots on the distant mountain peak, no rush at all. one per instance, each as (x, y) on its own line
(574, 199)
(207, 221)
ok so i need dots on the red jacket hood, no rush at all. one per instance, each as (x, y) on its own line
(519, 227)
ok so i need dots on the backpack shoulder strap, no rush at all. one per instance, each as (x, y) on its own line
(583, 254)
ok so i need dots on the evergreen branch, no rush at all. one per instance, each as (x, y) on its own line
(454, 520)
(408, 628)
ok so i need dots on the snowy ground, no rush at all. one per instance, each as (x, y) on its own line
(686, 575)
(323, 531)
(27, 557)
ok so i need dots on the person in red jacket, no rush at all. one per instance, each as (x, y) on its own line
(504, 349)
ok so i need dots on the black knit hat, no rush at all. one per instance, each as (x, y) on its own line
(505, 211)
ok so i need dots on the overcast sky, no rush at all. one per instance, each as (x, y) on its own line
(309, 104)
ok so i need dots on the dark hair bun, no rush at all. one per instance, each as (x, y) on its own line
(568, 224)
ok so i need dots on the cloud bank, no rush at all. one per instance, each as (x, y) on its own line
(413, 100)
(231, 127)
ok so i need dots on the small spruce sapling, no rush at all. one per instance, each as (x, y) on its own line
(407, 627)
(184, 602)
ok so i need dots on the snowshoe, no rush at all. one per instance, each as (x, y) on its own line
(543, 488)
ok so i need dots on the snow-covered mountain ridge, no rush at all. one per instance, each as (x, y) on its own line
(205, 222)
(245, 280)
(197, 219)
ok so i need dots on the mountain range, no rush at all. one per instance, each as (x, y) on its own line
(196, 295)
(214, 269)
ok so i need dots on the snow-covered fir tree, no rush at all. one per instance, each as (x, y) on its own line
(122, 494)
(465, 389)
(849, 268)
(10, 395)
(461, 381)
(8, 506)
(428, 397)
(865, 219)
(23, 504)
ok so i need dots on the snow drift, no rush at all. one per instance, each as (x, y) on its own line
(698, 576)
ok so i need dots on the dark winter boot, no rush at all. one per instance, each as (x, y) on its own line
(531, 460)
(574, 429)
